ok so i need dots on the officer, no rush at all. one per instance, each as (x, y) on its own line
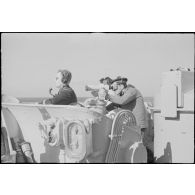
(127, 97)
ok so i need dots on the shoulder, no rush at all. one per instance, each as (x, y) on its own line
(68, 92)
(66, 89)
(133, 91)
(129, 89)
(64, 92)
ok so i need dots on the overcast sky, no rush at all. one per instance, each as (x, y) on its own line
(30, 60)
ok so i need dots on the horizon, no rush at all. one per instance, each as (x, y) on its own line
(77, 96)
(80, 99)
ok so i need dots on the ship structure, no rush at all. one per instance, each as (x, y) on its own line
(34, 133)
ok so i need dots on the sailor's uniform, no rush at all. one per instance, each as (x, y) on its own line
(65, 96)
(132, 100)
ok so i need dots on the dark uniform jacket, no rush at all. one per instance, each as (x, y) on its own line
(65, 96)
(132, 100)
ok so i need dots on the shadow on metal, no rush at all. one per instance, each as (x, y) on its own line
(166, 157)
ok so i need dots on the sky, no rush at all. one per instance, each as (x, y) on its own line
(30, 61)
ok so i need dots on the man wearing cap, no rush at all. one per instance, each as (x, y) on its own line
(66, 94)
(128, 97)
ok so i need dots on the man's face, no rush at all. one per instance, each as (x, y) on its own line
(105, 82)
(59, 83)
(120, 87)
(117, 86)
(114, 86)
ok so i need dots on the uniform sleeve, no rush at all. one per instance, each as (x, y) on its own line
(64, 96)
(129, 95)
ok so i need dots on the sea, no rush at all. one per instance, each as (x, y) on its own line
(80, 99)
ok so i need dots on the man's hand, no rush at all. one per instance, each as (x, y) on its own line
(44, 101)
(111, 92)
(94, 93)
(53, 91)
(50, 91)
(107, 97)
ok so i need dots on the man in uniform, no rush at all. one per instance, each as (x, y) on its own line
(129, 98)
(66, 94)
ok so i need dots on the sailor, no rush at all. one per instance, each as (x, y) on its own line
(66, 94)
(126, 96)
